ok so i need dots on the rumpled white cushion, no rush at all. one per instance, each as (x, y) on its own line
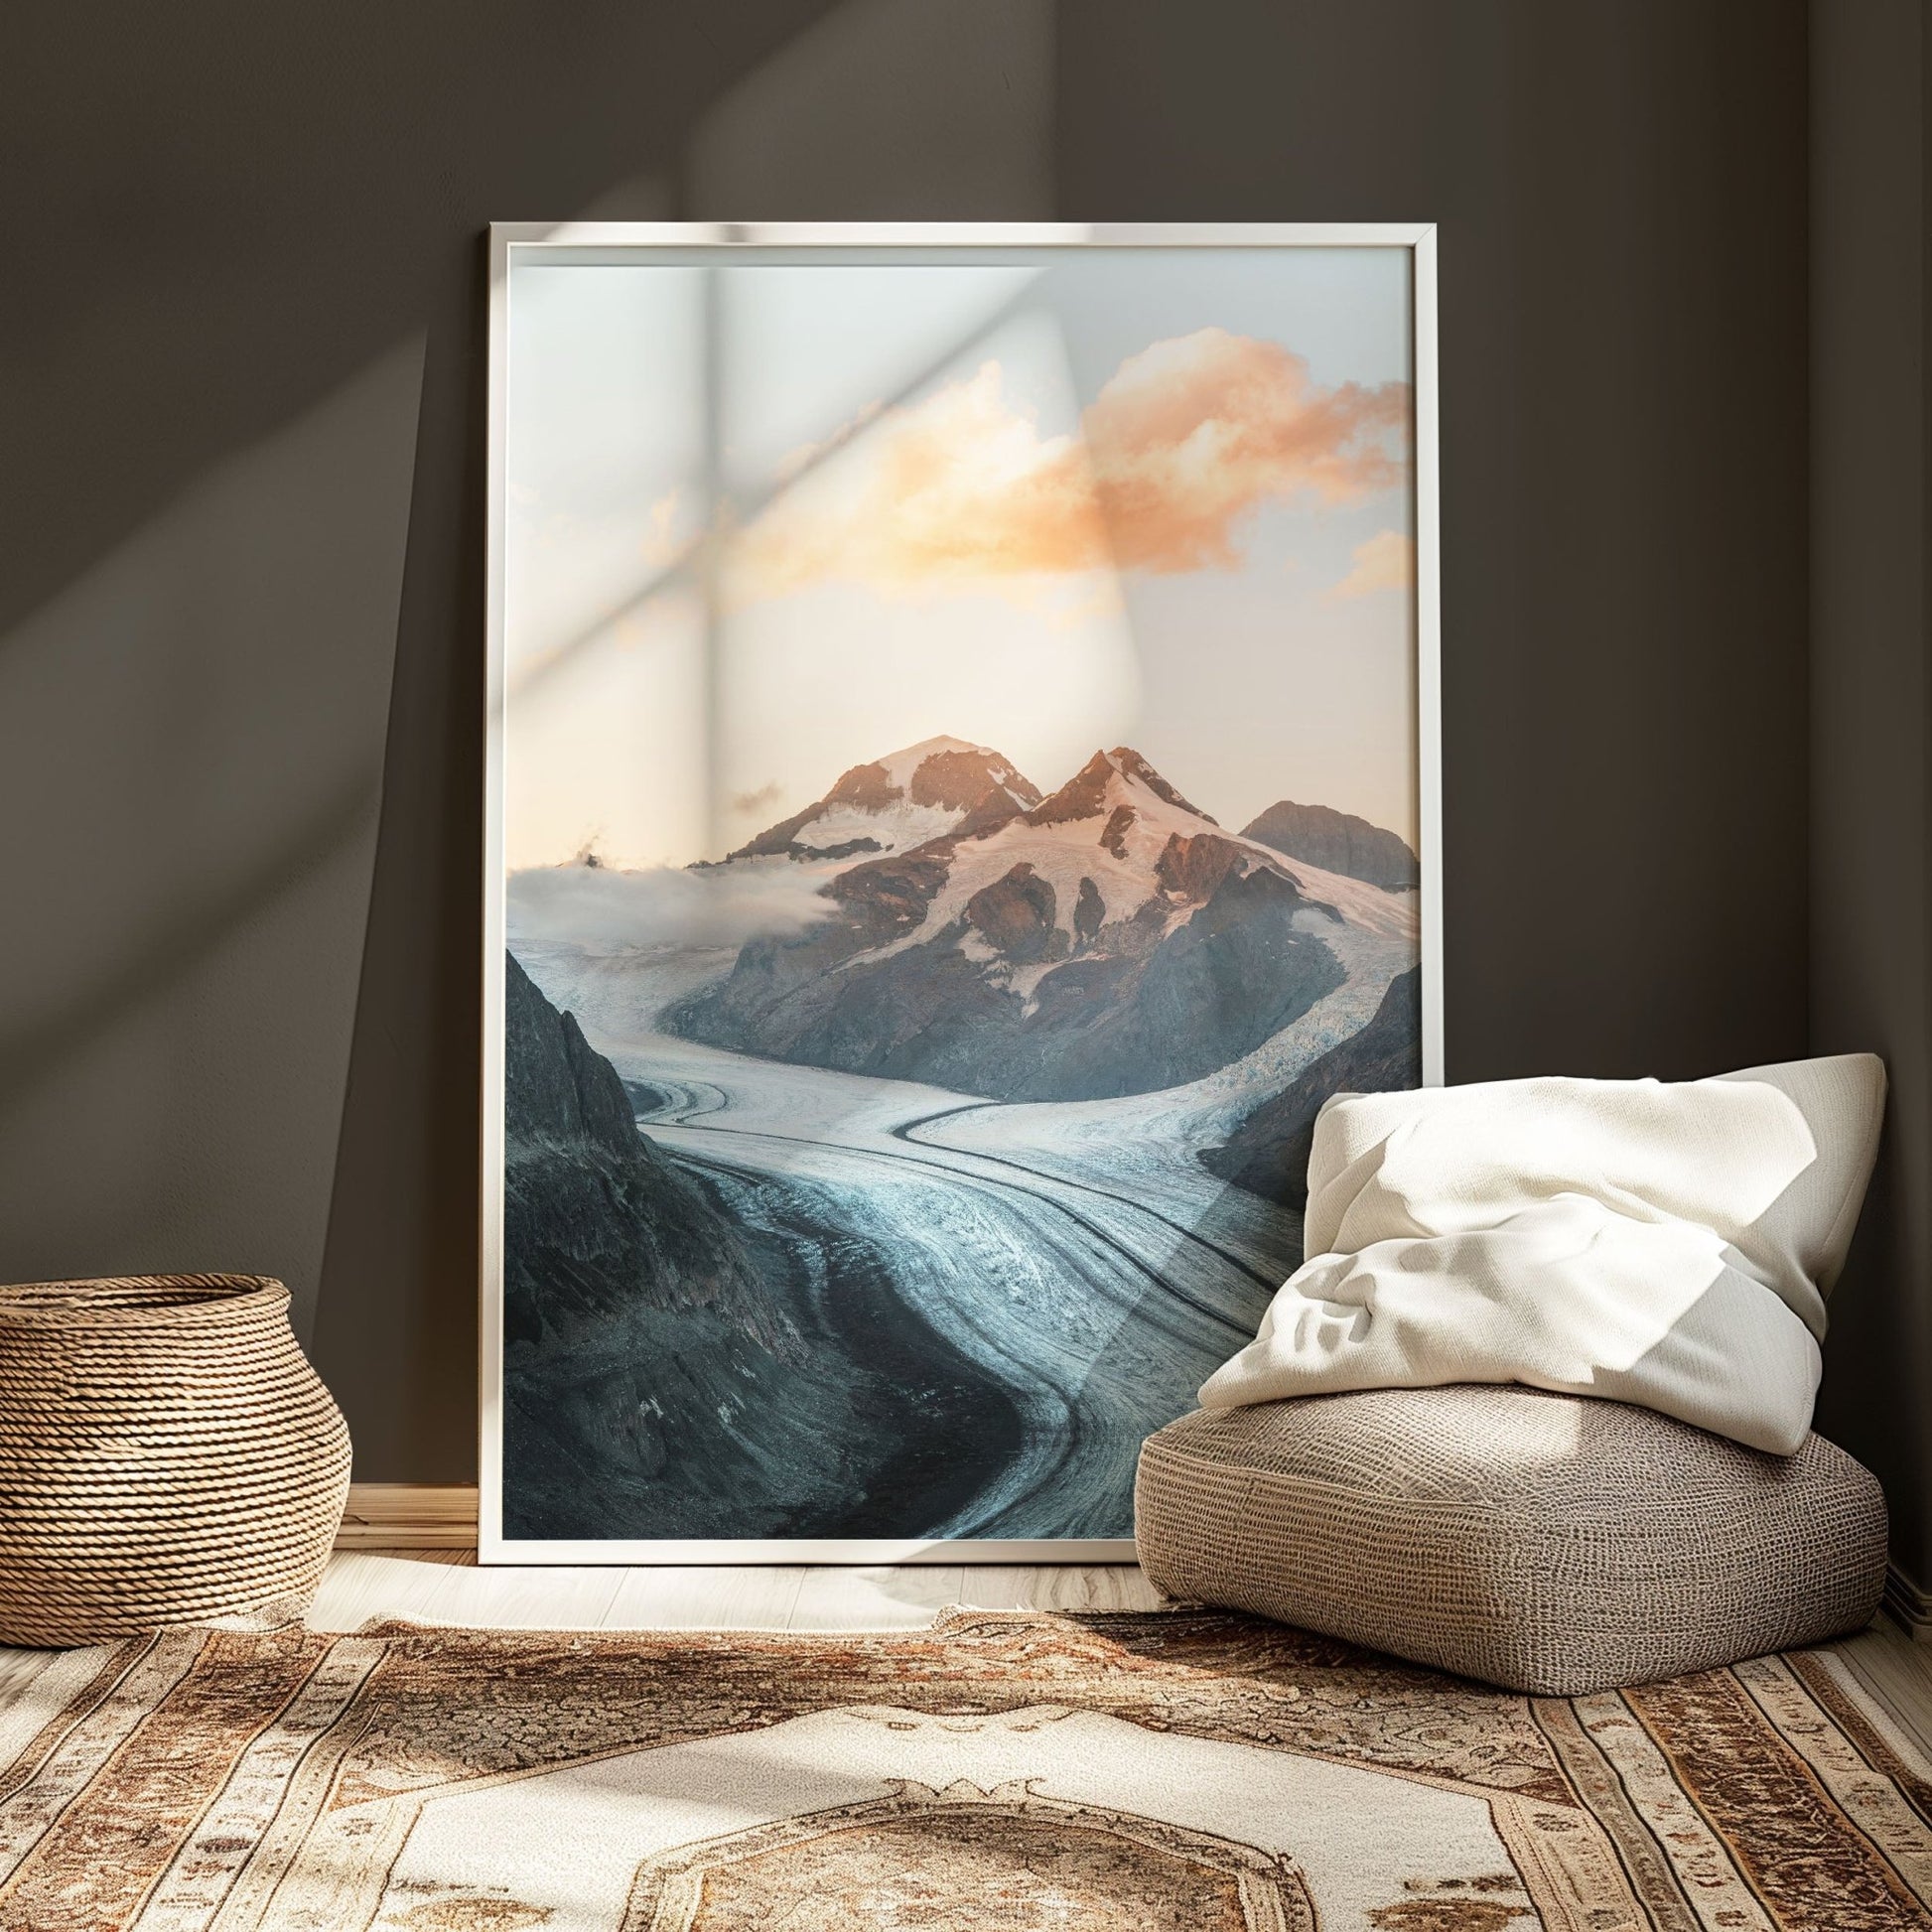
(1669, 1245)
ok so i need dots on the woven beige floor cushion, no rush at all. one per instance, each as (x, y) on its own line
(1550, 1543)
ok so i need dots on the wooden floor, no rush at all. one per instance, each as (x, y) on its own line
(445, 1587)
(1898, 1672)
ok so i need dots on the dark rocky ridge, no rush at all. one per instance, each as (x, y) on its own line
(1193, 868)
(1268, 1153)
(1136, 1010)
(1319, 834)
(595, 1216)
(667, 1371)
(1016, 914)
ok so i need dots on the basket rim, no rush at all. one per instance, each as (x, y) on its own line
(89, 1302)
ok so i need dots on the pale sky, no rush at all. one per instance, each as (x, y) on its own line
(1157, 499)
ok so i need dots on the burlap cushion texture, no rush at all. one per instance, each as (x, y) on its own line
(1553, 1544)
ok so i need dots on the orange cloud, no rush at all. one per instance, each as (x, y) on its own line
(1386, 562)
(1183, 442)
(958, 487)
(1190, 434)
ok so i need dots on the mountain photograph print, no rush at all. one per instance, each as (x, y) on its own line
(961, 817)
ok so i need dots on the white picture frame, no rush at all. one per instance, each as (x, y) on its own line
(512, 245)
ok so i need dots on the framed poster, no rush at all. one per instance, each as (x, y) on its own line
(962, 789)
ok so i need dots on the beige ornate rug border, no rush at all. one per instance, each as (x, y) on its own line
(218, 1781)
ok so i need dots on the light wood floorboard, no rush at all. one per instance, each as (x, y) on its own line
(1898, 1672)
(1059, 1586)
(360, 1584)
(706, 1597)
(905, 1598)
(433, 1586)
(18, 1669)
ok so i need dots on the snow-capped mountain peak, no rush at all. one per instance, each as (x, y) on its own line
(1121, 787)
(1106, 782)
(1116, 846)
(940, 786)
(902, 767)
(1109, 940)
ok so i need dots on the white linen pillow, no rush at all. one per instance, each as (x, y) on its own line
(1669, 1244)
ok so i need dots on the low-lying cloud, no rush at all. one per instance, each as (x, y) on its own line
(1184, 440)
(601, 906)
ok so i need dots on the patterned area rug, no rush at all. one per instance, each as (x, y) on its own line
(1169, 1772)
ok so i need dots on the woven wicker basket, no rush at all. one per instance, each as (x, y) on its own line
(167, 1455)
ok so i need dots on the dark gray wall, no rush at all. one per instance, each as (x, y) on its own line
(237, 215)
(1870, 726)
(1620, 191)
